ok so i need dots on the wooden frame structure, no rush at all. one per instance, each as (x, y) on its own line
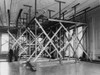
(48, 45)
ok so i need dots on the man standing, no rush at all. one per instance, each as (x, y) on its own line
(10, 55)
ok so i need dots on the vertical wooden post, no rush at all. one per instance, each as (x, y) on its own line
(74, 7)
(60, 2)
(50, 12)
(9, 25)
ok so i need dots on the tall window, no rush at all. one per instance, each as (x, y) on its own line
(74, 43)
(4, 43)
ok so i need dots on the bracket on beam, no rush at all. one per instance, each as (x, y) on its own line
(60, 2)
(63, 14)
(29, 11)
(74, 7)
(50, 12)
(85, 11)
(81, 12)
(19, 14)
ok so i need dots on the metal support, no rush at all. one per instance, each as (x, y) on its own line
(50, 11)
(29, 12)
(63, 14)
(36, 38)
(26, 14)
(35, 8)
(60, 2)
(85, 12)
(74, 7)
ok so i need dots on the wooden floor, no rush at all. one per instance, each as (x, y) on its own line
(82, 68)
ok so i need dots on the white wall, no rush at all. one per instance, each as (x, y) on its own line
(4, 45)
(94, 33)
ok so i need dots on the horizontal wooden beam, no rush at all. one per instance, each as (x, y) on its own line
(60, 1)
(27, 5)
(65, 21)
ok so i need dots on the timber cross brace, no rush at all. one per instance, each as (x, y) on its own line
(53, 42)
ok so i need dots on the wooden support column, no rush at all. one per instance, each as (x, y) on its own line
(63, 33)
(85, 37)
(9, 25)
(60, 59)
(36, 39)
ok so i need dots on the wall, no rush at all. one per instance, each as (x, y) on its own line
(0, 43)
(94, 33)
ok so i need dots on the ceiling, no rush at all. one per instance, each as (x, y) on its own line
(42, 6)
